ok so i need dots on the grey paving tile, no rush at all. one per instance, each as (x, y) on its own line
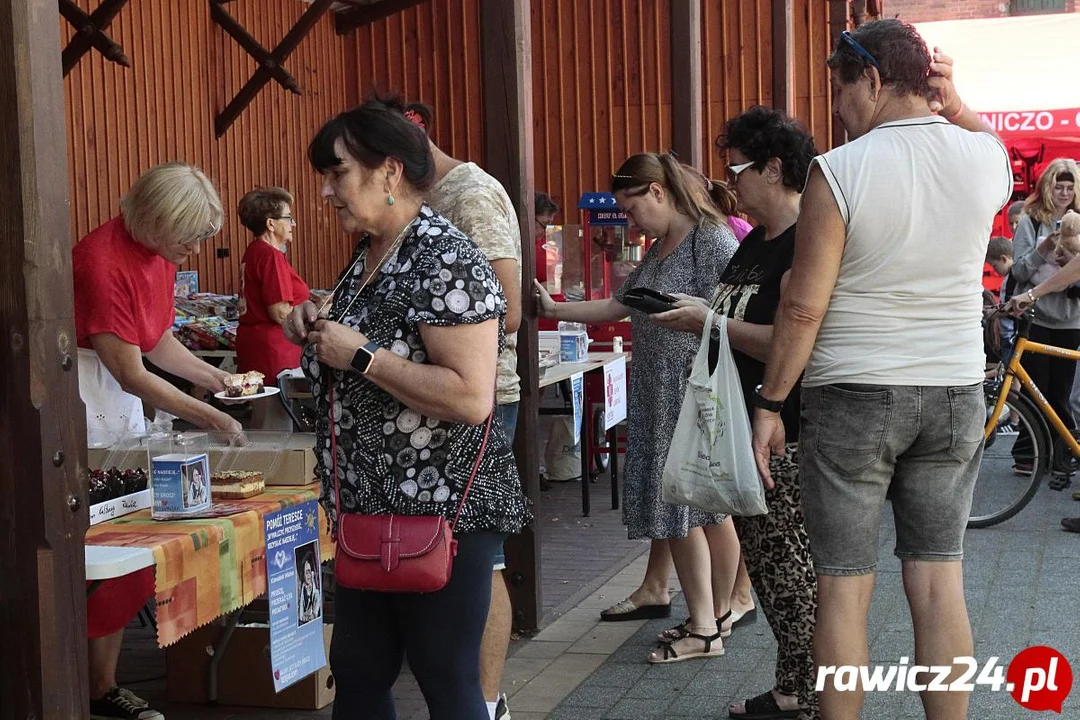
(639, 709)
(620, 675)
(594, 696)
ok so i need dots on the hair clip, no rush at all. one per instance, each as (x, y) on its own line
(415, 119)
(624, 177)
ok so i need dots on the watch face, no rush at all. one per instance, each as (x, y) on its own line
(361, 360)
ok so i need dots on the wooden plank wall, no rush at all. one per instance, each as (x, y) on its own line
(184, 70)
(738, 66)
(429, 53)
(601, 92)
(601, 77)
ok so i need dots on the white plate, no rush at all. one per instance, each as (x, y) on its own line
(267, 391)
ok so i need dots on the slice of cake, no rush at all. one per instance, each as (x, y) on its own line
(236, 484)
(234, 385)
(253, 383)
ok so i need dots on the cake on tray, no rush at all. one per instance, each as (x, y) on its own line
(236, 484)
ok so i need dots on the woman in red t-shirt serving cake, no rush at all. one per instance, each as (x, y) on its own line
(269, 290)
(124, 276)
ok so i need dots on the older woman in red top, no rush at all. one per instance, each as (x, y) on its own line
(270, 287)
(124, 275)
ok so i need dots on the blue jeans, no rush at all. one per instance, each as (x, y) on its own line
(507, 416)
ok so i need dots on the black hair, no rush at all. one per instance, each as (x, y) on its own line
(544, 205)
(372, 132)
(901, 54)
(762, 133)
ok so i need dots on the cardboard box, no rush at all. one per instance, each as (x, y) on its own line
(244, 677)
(112, 509)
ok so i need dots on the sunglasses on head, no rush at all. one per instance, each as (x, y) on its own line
(847, 38)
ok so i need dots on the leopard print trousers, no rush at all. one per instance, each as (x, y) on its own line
(777, 554)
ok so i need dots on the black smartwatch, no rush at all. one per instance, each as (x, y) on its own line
(759, 400)
(361, 361)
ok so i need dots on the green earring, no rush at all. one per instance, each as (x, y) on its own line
(390, 199)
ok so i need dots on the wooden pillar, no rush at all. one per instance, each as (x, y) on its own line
(838, 23)
(506, 77)
(783, 55)
(686, 97)
(43, 514)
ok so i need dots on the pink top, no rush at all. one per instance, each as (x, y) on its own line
(740, 227)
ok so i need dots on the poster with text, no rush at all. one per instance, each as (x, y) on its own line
(577, 390)
(294, 585)
(614, 392)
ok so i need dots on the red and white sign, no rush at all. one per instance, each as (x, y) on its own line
(614, 392)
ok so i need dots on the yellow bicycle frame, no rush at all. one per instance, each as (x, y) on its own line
(1016, 370)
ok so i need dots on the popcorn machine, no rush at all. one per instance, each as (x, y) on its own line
(606, 252)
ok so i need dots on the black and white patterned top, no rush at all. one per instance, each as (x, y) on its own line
(390, 458)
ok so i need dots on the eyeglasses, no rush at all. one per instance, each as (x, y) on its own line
(862, 52)
(734, 171)
(214, 230)
(290, 218)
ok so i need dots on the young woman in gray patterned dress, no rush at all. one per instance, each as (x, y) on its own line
(692, 249)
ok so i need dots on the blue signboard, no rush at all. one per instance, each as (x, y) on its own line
(294, 588)
(602, 209)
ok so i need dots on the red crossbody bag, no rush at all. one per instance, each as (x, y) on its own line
(395, 553)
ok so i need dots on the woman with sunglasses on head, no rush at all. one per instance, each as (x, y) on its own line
(269, 289)
(769, 156)
(403, 367)
(124, 277)
(692, 248)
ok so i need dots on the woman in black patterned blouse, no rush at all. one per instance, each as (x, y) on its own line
(406, 355)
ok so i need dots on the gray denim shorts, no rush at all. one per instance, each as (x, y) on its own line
(920, 444)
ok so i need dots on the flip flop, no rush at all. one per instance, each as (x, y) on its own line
(763, 707)
(626, 610)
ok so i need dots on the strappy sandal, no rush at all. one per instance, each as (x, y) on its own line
(682, 629)
(670, 656)
(763, 707)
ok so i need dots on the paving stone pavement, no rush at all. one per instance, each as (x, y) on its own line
(1022, 586)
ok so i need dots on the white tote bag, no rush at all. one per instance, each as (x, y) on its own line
(711, 464)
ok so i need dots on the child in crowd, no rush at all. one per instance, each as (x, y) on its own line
(999, 255)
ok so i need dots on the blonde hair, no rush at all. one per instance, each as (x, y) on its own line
(174, 202)
(1040, 204)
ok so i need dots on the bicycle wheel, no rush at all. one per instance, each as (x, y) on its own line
(1011, 469)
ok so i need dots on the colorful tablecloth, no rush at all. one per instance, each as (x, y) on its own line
(205, 568)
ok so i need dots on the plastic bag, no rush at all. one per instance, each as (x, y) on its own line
(710, 464)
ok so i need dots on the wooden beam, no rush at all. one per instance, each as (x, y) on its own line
(252, 47)
(687, 123)
(349, 20)
(43, 490)
(91, 33)
(506, 76)
(303, 26)
(783, 56)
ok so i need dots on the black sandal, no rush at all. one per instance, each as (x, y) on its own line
(670, 656)
(680, 631)
(764, 707)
